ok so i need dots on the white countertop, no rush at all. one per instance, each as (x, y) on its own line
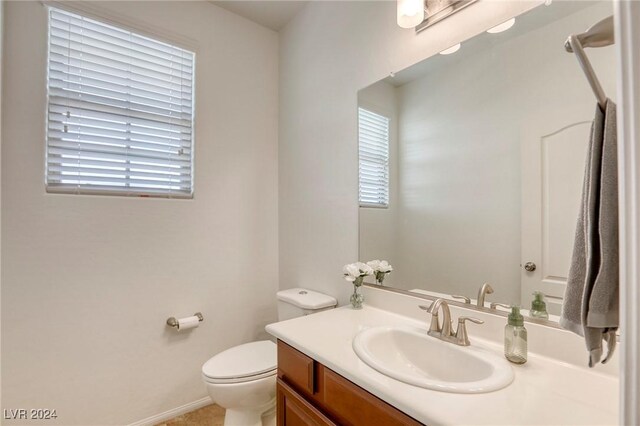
(545, 391)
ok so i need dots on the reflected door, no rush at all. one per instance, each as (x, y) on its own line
(553, 164)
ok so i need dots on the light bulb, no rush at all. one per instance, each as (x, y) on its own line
(452, 49)
(410, 13)
(502, 27)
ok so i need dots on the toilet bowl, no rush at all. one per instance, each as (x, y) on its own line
(242, 379)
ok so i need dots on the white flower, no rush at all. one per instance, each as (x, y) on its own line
(380, 266)
(375, 264)
(385, 267)
(364, 269)
(351, 272)
(356, 270)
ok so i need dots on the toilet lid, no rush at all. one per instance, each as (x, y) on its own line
(246, 360)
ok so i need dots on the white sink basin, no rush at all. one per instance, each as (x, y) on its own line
(408, 354)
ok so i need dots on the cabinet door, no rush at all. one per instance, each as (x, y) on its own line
(293, 410)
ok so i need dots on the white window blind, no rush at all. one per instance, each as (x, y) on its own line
(120, 111)
(373, 137)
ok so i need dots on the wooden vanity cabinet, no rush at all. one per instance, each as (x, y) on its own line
(309, 393)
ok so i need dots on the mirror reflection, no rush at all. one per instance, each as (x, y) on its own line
(472, 162)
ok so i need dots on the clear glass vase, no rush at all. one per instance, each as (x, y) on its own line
(357, 298)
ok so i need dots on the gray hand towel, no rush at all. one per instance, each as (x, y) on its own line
(590, 306)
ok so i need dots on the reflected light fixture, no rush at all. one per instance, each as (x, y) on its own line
(502, 27)
(450, 50)
(410, 13)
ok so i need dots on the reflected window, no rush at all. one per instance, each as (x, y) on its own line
(373, 141)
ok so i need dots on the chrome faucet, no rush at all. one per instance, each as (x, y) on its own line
(460, 337)
(435, 330)
(484, 290)
(465, 299)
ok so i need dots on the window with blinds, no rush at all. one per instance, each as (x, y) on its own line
(120, 111)
(373, 139)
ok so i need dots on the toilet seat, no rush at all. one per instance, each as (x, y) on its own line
(242, 363)
(239, 379)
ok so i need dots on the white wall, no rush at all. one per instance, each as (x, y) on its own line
(89, 281)
(459, 212)
(329, 52)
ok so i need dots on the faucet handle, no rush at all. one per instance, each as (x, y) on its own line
(465, 298)
(494, 305)
(462, 338)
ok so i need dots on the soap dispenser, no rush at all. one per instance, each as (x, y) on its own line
(515, 337)
(538, 306)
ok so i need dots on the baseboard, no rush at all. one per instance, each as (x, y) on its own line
(175, 412)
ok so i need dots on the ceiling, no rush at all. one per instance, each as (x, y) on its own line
(271, 14)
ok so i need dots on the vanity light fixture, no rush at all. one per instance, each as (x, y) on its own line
(410, 13)
(452, 49)
(502, 27)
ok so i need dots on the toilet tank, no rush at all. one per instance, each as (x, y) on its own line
(297, 302)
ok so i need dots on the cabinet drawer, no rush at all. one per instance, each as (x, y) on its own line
(349, 404)
(296, 369)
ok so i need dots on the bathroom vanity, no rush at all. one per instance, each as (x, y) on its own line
(322, 380)
(310, 393)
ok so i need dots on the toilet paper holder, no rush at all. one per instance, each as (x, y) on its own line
(173, 322)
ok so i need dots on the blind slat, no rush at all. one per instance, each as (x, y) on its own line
(110, 156)
(70, 161)
(73, 66)
(96, 148)
(61, 36)
(71, 130)
(112, 91)
(80, 52)
(129, 103)
(59, 17)
(113, 115)
(120, 111)
(142, 89)
(119, 128)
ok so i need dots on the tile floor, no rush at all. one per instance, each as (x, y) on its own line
(209, 415)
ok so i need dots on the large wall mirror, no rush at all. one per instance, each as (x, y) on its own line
(471, 163)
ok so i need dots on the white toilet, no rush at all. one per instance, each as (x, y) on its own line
(243, 379)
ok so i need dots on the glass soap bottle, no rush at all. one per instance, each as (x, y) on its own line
(515, 337)
(538, 306)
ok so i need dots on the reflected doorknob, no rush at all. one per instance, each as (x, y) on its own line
(529, 266)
